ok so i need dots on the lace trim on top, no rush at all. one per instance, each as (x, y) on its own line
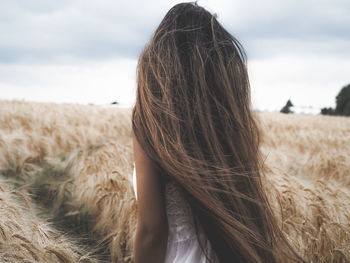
(180, 218)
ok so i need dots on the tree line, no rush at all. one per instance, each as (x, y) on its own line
(342, 101)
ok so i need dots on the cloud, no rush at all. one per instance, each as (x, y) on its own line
(44, 31)
(89, 82)
(298, 18)
(48, 31)
(297, 27)
(307, 81)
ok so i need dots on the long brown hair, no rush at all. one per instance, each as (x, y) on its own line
(193, 118)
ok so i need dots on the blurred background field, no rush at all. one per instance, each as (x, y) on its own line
(66, 193)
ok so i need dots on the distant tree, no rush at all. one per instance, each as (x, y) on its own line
(327, 111)
(114, 103)
(286, 108)
(343, 101)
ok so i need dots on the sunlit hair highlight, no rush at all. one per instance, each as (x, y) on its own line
(193, 118)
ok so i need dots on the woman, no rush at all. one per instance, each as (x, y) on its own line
(198, 167)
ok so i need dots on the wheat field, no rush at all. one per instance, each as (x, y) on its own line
(66, 193)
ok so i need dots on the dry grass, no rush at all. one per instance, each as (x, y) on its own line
(65, 174)
(24, 237)
(75, 164)
(308, 182)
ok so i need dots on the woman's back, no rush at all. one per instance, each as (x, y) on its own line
(183, 240)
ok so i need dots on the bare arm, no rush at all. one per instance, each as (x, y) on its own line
(152, 227)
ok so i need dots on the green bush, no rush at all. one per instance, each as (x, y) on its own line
(286, 108)
(343, 101)
(327, 111)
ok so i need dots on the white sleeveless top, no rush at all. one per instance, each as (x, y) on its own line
(183, 245)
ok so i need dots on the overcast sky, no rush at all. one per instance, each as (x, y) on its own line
(85, 51)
